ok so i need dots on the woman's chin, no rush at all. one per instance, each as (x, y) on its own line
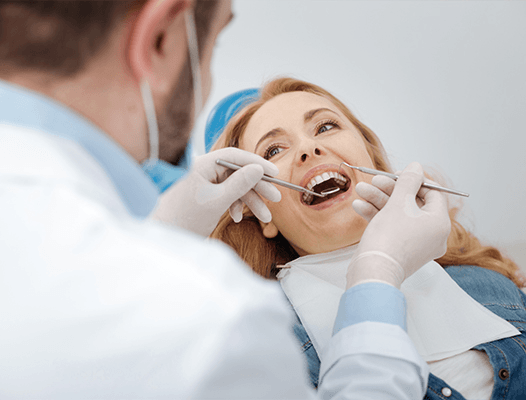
(326, 246)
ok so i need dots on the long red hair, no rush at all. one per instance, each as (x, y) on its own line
(262, 254)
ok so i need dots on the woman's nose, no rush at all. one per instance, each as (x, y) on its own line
(310, 152)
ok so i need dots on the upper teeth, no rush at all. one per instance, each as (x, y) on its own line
(325, 177)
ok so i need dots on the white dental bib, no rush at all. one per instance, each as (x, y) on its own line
(442, 319)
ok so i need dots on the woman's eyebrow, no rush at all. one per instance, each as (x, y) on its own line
(279, 131)
(272, 133)
(310, 114)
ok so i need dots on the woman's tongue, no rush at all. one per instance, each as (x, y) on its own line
(326, 185)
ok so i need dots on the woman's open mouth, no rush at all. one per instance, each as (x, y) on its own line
(324, 182)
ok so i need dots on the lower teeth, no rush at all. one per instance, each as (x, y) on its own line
(308, 199)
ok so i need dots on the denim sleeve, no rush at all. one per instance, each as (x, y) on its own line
(371, 301)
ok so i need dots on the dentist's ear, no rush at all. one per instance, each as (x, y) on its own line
(157, 46)
(270, 230)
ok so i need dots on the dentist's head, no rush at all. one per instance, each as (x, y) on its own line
(108, 59)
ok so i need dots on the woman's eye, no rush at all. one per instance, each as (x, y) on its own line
(272, 151)
(326, 126)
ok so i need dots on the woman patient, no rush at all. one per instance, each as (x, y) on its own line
(475, 345)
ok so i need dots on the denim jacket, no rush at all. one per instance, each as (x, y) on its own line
(507, 356)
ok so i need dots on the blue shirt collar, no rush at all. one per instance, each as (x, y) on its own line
(23, 107)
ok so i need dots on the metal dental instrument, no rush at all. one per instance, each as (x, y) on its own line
(395, 177)
(279, 181)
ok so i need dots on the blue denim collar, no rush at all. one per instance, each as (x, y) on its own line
(22, 107)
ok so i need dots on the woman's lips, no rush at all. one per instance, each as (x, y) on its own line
(318, 170)
(332, 201)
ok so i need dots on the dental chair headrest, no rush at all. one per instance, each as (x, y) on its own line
(224, 111)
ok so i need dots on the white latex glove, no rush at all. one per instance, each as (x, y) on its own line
(404, 233)
(199, 200)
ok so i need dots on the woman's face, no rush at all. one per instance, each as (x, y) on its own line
(308, 137)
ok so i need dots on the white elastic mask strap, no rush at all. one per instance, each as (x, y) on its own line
(151, 119)
(193, 50)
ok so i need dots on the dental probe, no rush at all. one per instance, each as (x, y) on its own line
(395, 177)
(278, 181)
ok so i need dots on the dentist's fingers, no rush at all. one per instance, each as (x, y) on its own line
(387, 185)
(423, 190)
(364, 209)
(235, 156)
(254, 203)
(384, 183)
(239, 183)
(268, 191)
(434, 201)
(372, 194)
(198, 201)
(257, 206)
(236, 211)
(408, 183)
(436, 206)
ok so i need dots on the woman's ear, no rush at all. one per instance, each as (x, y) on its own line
(270, 230)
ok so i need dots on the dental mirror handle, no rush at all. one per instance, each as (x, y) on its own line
(270, 179)
(395, 177)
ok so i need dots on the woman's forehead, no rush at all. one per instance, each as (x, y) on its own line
(284, 110)
(293, 104)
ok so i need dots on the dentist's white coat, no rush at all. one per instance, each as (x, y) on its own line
(97, 304)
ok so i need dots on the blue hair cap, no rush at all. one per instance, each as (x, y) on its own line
(224, 111)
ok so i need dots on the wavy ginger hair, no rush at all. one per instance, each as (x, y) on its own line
(263, 255)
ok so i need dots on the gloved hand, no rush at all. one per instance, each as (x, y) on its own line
(199, 200)
(402, 234)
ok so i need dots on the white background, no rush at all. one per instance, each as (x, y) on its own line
(440, 82)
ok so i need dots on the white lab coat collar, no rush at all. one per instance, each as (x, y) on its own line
(442, 319)
(24, 108)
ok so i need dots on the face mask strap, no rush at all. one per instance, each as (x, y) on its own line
(147, 98)
(151, 119)
(193, 50)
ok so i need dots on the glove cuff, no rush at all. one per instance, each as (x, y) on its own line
(375, 266)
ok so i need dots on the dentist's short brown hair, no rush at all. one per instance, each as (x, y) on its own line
(60, 37)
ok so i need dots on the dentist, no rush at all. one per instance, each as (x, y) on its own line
(98, 301)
